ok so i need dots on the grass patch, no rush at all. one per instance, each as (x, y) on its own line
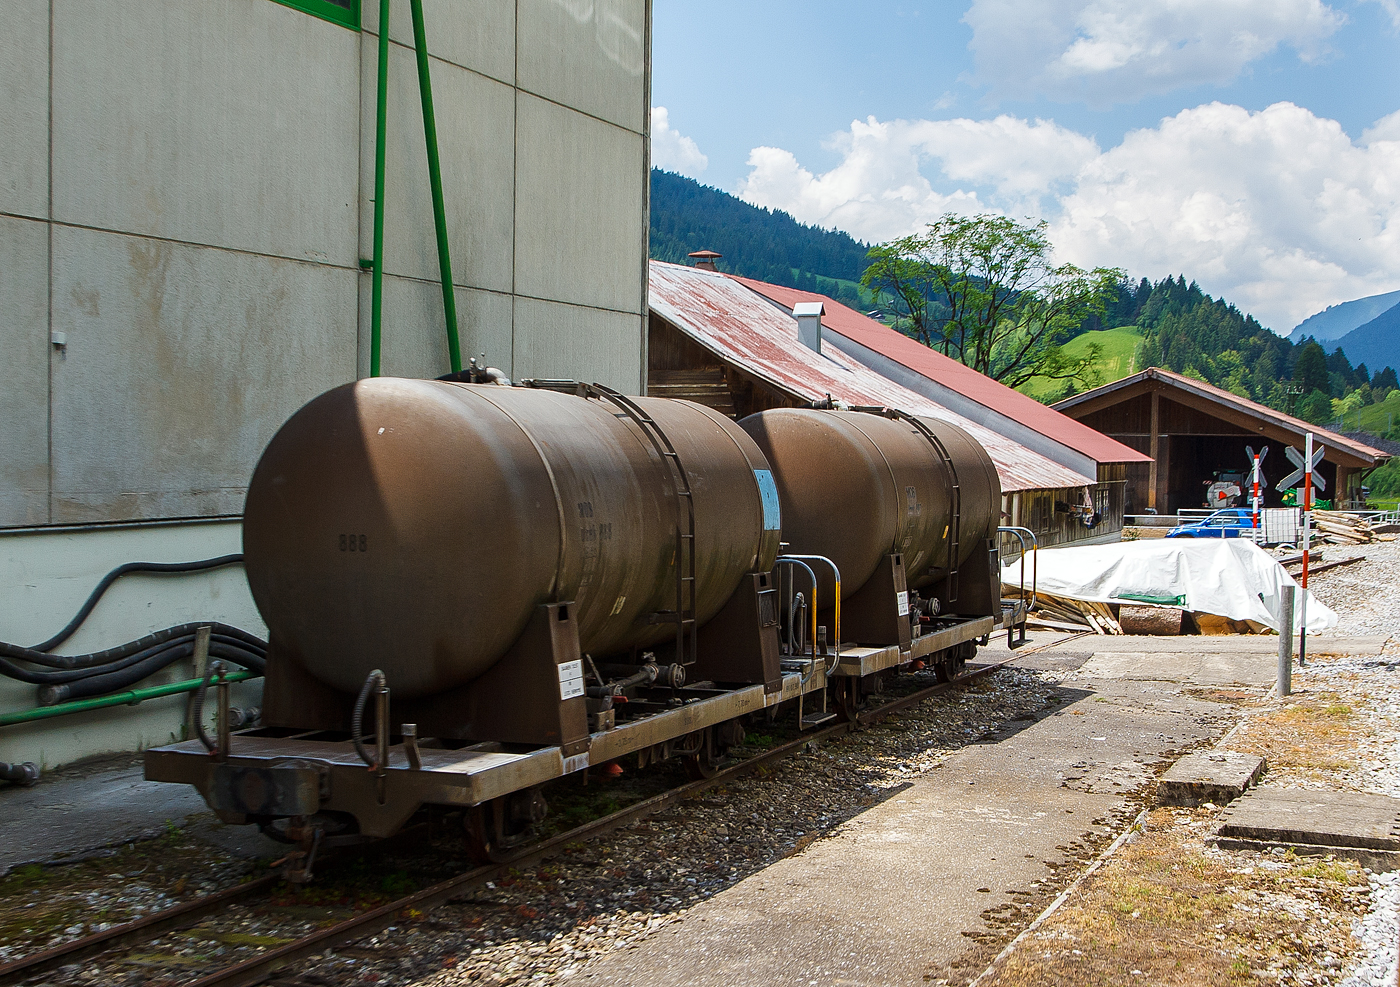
(1314, 735)
(1164, 911)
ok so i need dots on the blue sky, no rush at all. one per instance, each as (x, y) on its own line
(1253, 145)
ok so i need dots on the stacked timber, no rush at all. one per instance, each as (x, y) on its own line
(1062, 613)
(1342, 529)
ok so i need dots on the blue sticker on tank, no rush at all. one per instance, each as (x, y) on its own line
(768, 492)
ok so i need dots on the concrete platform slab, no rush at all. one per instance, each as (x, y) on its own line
(1324, 818)
(892, 897)
(1193, 668)
(1217, 776)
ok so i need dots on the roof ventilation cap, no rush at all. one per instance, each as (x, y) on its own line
(809, 324)
(705, 259)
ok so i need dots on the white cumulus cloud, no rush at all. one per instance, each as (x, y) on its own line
(1278, 210)
(877, 191)
(671, 150)
(1109, 51)
(1391, 7)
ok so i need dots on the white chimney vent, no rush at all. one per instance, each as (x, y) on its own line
(809, 324)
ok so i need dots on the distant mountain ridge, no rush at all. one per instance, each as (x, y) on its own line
(1335, 321)
(1377, 343)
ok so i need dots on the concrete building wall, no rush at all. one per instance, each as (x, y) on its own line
(186, 193)
(186, 203)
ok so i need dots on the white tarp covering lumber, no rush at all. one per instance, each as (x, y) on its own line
(1230, 577)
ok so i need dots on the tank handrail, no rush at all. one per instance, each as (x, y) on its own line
(1017, 530)
(836, 573)
(792, 561)
(955, 528)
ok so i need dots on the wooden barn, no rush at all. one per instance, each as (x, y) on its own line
(1193, 431)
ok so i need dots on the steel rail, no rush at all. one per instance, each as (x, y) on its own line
(257, 969)
(1314, 570)
(179, 916)
(130, 933)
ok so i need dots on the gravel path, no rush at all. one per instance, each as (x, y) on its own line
(1366, 597)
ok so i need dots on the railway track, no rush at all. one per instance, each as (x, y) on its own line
(259, 968)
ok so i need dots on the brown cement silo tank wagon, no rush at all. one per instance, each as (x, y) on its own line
(418, 526)
(897, 503)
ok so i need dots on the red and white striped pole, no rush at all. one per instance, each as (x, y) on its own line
(1307, 544)
(1258, 535)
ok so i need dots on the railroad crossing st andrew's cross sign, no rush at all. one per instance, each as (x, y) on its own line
(1296, 477)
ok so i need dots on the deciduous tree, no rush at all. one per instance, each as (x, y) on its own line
(984, 290)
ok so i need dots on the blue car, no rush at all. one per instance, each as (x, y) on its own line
(1232, 522)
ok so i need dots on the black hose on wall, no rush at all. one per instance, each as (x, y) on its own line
(115, 659)
(113, 669)
(99, 682)
(125, 569)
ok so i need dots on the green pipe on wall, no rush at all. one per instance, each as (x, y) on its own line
(425, 89)
(381, 117)
(116, 699)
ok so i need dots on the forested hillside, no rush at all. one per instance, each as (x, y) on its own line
(1186, 330)
(1180, 327)
(756, 243)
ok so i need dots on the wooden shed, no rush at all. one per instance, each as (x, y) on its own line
(1193, 430)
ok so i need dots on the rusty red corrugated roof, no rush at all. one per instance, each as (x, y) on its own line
(743, 329)
(954, 375)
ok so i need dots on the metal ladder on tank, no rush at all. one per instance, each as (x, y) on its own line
(955, 524)
(684, 616)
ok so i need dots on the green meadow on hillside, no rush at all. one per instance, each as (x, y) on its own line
(1378, 418)
(1117, 359)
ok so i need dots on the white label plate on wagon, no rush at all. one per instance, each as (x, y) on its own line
(571, 680)
(902, 600)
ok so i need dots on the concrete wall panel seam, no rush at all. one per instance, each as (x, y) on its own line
(478, 35)
(200, 245)
(589, 57)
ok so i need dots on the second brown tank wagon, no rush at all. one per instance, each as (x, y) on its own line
(474, 588)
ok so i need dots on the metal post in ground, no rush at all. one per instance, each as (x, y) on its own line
(1285, 641)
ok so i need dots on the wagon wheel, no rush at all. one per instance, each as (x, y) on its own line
(476, 834)
(848, 699)
(704, 763)
(950, 668)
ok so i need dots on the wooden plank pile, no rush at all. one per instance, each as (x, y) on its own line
(1060, 610)
(1340, 528)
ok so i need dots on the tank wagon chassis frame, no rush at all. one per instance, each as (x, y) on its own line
(259, 775)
